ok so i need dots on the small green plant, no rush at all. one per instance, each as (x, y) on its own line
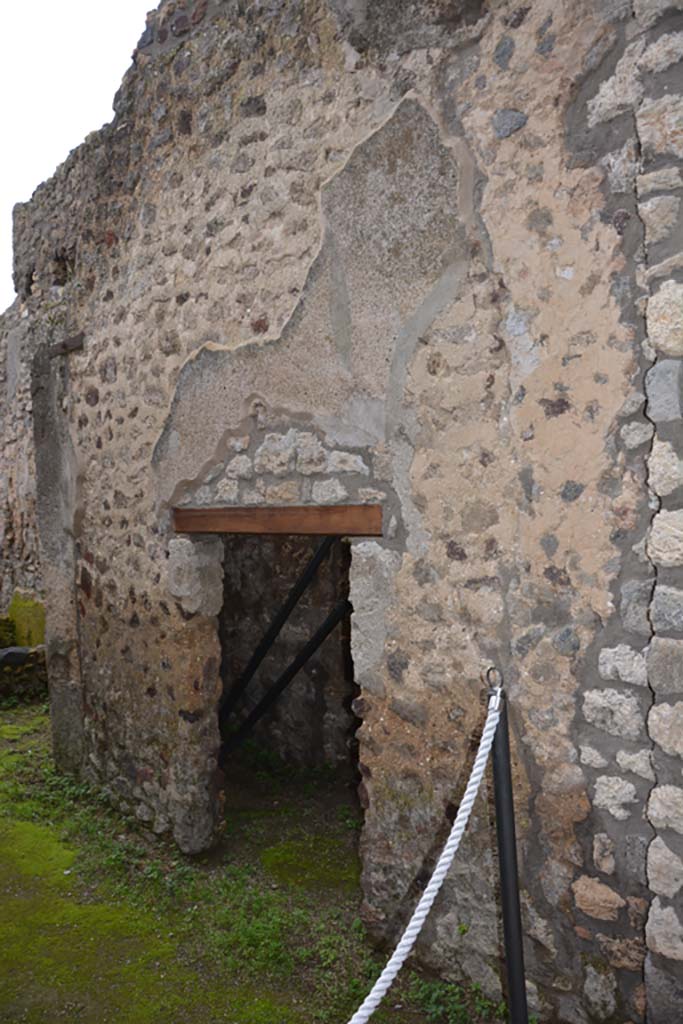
(448, 1003)
(440, 1003)
(349, 819)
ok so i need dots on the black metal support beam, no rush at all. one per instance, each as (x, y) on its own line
(509, 881)
(231, 699)
(340, 610)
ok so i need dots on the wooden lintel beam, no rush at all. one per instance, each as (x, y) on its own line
(316, 520)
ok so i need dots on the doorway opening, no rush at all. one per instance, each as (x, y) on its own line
(288, 690)
(289, 753)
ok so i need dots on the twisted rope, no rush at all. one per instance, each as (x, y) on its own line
(400, 954)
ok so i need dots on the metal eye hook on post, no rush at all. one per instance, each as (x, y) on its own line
(494, 678)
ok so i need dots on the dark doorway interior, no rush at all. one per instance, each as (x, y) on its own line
(311, 725)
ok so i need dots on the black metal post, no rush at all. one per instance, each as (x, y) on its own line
(231, 698)
(310, 647)
(509, 881)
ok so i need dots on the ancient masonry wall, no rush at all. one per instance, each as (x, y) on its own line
(422, 254)
(642, 764)
(19, 555)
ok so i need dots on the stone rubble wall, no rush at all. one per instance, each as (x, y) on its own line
(424, 255)
(19, 548)
(23, 674)
(630, 718)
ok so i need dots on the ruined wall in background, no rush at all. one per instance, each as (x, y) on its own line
(429, 257)
(19, 554)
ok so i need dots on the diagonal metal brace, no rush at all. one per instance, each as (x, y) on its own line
(340, 611)
(232, 698)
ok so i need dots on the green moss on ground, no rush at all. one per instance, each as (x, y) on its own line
(313, 863)
(31, 851)
(100, 921)
(15, 730)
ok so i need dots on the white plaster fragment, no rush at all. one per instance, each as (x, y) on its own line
(664, 869)
(665, 808)
(660, 216)
(603, 853)
(621, 166)
(632, 404)
(624, 663)
(664, 52)
(640, 763)
(239, 468)
(665, 542)
(227, 490)
(611, 793)
(592, 757)
(276, 454)
(665, 318)
(311, 456)
(195, 574)
(327, 492)
(346, 462)
(622, 91)
(664, 931)
(254, 495)
(665, 468)
(285, 492)
(616, 713)
(665, 726)
(524, 353)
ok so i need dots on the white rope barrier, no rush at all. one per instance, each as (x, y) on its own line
(407, 941)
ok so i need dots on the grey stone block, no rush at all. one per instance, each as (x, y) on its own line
(664, 390)
(664, 993)
(664, 931)
(503, 52)
(665, 665)
(195, 574)
(665, 808)
(634, 607)
(508, 121)
(665, 725)
(667, 609)
(13, 656)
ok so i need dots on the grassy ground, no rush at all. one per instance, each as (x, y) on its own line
(100, 921)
